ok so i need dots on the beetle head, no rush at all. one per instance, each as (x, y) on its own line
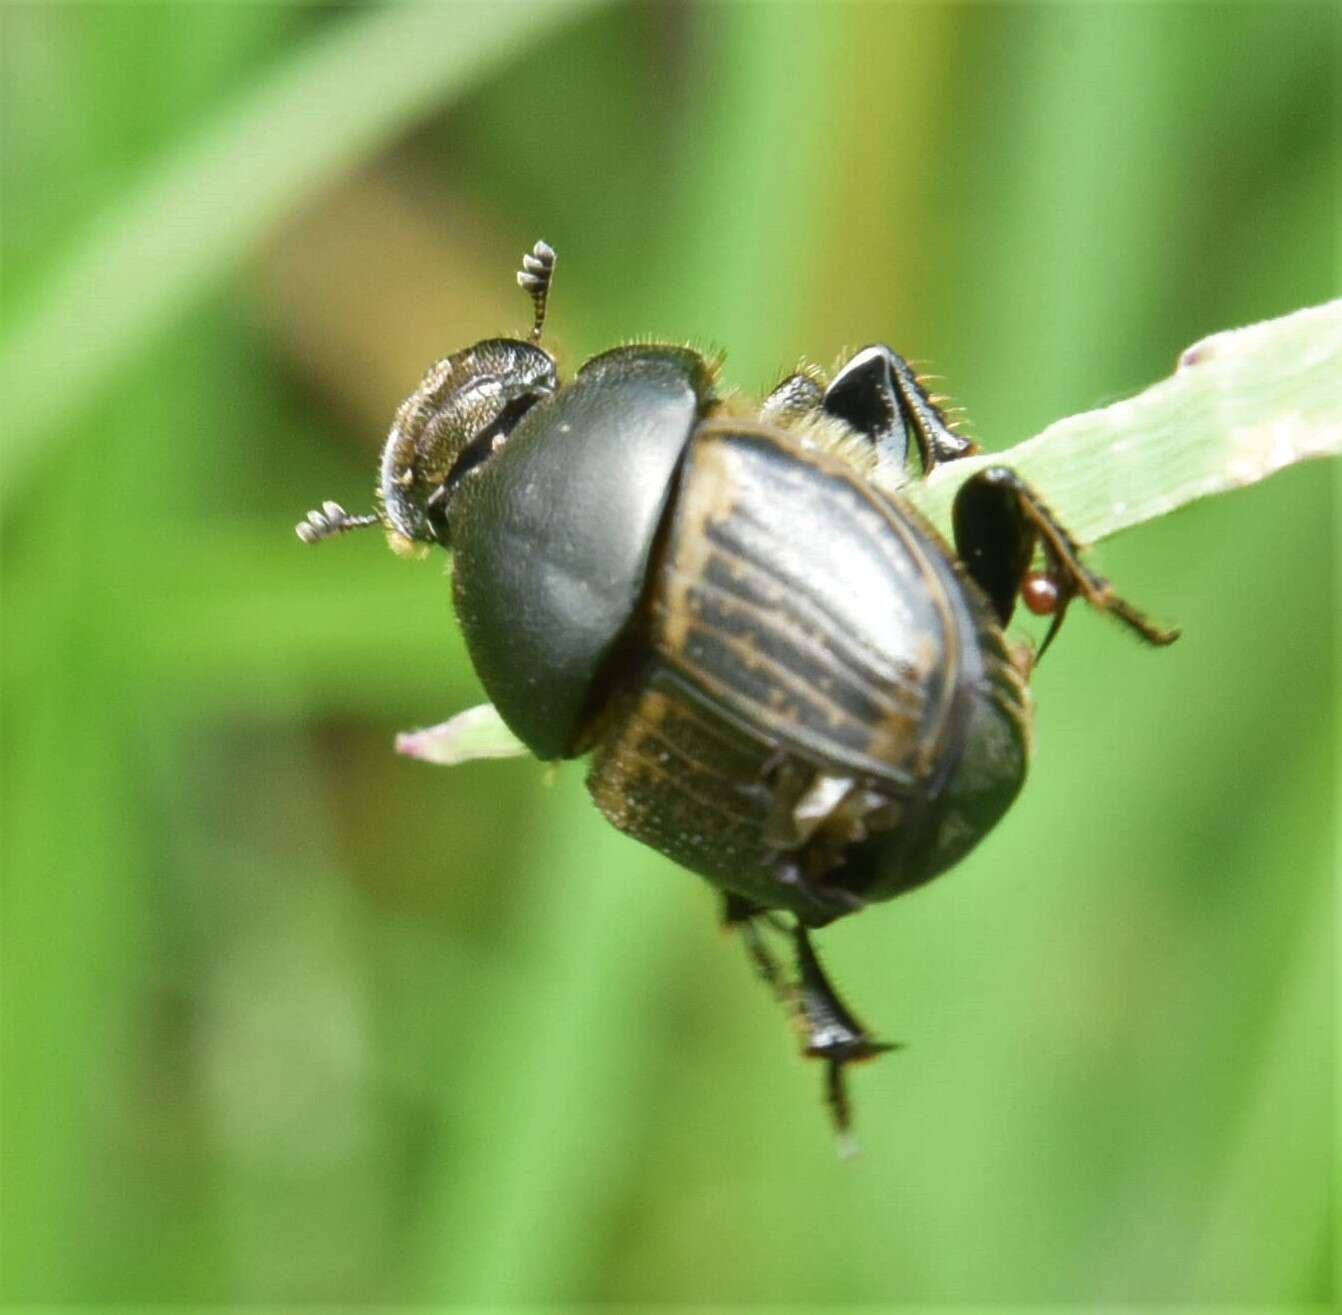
(454, 421)
(461, 413)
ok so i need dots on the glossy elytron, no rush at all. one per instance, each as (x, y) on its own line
(786, 680)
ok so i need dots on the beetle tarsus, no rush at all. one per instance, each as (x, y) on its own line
(836, 1097)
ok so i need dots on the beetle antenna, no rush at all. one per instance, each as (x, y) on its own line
(534, 278)
(332, 519)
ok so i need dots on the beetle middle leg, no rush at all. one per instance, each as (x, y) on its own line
(999, 522)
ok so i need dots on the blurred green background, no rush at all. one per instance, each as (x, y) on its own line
(289, 1019)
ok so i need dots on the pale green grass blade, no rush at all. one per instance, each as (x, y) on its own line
(1242, 405)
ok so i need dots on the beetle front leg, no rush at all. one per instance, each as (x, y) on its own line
(797, 397)
(879, 395)
(999, 521)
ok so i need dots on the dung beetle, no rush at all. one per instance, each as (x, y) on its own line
(787, 681)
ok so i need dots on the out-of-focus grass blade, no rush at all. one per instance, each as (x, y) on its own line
(1242, 405)
(210, 202)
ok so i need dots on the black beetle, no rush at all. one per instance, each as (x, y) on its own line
(787, 680)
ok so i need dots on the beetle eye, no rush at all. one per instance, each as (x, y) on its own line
(477, 451)
(489, 439)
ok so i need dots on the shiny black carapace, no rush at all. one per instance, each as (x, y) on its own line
(785, 678)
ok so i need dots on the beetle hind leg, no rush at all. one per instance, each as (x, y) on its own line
(999, 521)
(830, 1031)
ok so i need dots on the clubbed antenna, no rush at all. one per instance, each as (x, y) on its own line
(330, 520)
(534, 278)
